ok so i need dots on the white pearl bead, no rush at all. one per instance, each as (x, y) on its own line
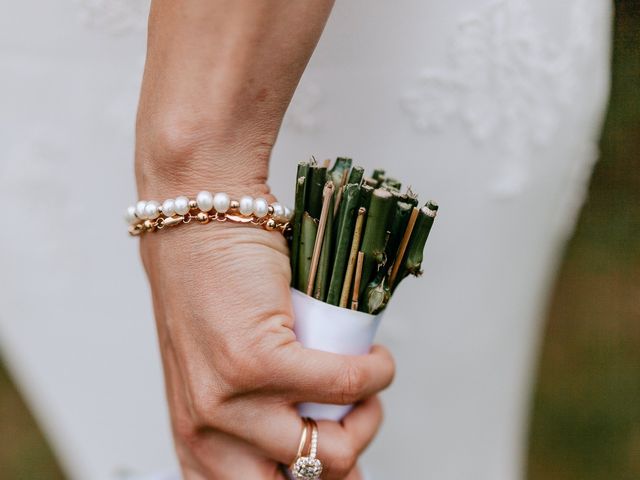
(181, 205)
(205, 201)
(260, 207)
(288, 213)
(246, 205)
(221, 202)
(140, 206)
(130, 216)
(168, 207)
(278, 210)
(151, 210)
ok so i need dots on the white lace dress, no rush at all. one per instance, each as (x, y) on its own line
(492, 107)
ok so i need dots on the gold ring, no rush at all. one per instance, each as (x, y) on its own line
(307, 467)
(303, 439)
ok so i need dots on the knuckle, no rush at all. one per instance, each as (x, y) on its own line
(353, 383)
(203, 406)
(185, 430)
(232, 371)
(247, 379)
(251, 364)
(238, 367)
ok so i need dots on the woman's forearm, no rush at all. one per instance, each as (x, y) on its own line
(218, 78)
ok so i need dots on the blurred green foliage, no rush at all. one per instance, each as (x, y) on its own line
(24, 454)
(586, 411)
(586, 415)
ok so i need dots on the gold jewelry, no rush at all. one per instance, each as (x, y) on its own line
(149, 216)
(307, 467)
(303, 438)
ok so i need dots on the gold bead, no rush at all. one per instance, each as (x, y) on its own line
(234, 205)
(271, 224)
(193, 204)
(148, 224)
(202, 217)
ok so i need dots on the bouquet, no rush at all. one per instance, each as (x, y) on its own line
(354, 239)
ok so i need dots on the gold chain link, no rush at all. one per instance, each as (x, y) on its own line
(268, 222)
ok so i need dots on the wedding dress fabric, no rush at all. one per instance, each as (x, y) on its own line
(492, 107)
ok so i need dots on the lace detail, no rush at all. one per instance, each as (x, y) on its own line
(506, 83)
(114, 16)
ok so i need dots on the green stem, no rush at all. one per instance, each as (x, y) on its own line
(324, 264)
(372, 182)
(398, 226)
(392, 184)
(301, 183)
(353, 255)
(344, 234)
(412, 262)
(366, 191)
(356, 175)
(408, 197)
(317, 179)
(375, 234)
(379, 176)
(307, 240)
(336, 173)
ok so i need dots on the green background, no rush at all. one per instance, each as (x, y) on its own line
(586, 410)
(586, 419)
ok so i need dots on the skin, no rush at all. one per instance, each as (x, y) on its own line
(218, 78)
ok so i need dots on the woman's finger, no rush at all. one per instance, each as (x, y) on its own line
(307, 375)
(276, 433)
(344, 442)
(232, 459)
(362, 423)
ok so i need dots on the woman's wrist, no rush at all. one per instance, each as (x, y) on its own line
(183, 160)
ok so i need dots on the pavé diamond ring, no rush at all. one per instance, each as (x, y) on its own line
(307, 467)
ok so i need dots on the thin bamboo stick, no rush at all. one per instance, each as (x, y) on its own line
(317, 247)
(356, 282)
(412, 261)
(353, 255)
(399, 222)
(340, 192)
(325, 263)
(403, 245)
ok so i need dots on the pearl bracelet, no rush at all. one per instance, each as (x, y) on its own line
(149, 215)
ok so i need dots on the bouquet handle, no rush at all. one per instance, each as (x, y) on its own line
(329, 328)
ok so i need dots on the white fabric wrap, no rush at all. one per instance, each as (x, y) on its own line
(321, 326)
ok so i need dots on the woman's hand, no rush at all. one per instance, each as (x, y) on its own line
(218, 78)
(233, 367)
